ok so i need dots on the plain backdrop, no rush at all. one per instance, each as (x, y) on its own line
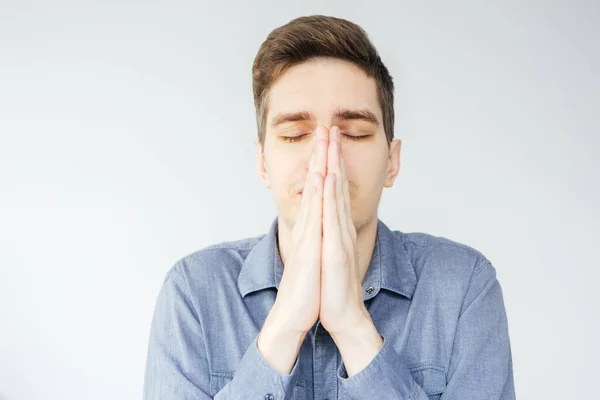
(126, 136)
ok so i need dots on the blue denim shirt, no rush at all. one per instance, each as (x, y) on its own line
(436, 303)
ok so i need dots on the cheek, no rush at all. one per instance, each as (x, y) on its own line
(281, 166)
(364, 173)
(286, 175)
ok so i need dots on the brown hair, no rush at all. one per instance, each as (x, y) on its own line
(318, 36)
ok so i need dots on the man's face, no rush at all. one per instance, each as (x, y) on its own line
(311, 94)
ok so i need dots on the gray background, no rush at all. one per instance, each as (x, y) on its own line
(126, 136)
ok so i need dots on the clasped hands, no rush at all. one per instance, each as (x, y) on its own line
(341, 304)
(342, 309)
(321, 276)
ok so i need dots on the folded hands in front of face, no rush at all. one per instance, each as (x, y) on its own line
(342, 305)
(321, 275)
(323, 270)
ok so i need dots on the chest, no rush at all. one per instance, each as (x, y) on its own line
(424, 340)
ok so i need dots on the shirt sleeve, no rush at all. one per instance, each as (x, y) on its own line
(255, 378)
(177, 365)
(481, 361)
(385, 374)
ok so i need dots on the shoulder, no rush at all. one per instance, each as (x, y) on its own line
(219, 262)
(441, 258)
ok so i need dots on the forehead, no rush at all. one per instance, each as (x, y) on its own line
(322, 86)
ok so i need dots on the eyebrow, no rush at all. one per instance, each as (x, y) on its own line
(341, 113)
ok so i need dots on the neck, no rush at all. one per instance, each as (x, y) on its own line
(366, 235)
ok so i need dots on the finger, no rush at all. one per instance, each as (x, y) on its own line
(307, 193)
(345, 191)
(315, 212)
(317, 165)
(322, 140)
(346, 196)
(333, 159)
(331, 225)
(341, 181)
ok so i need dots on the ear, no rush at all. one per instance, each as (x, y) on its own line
(261, 164)
(393, 162)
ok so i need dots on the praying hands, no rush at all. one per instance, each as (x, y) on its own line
(321, 279)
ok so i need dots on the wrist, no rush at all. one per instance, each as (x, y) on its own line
(282, 321)
(356, 330)
(358, 318)
(279, 347)
(277, 332)
(358, 346)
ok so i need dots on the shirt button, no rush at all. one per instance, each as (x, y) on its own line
(370, 290)
(269, 396)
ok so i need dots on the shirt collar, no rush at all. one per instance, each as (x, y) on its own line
(390, 266)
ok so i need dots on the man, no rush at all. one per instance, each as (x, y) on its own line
(330, 303)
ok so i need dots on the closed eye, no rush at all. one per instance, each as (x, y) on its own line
(292, 139)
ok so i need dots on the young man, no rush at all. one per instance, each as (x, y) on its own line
(330, 303)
